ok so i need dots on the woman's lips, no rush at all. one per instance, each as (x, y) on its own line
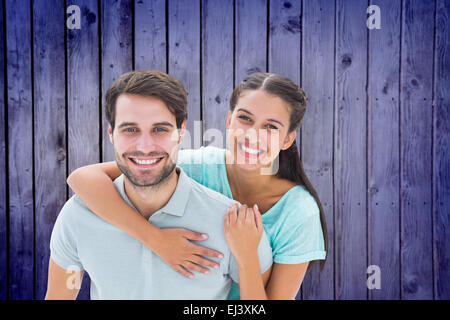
(250, 152)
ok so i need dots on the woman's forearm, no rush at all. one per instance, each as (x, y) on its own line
(251, 282)
(98, 192)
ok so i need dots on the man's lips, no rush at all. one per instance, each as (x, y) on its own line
(145, 161)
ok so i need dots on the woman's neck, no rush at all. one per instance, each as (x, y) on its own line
(247, 182)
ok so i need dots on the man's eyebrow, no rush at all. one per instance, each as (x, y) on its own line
(127, 124)
(273, 120)
(164, 123)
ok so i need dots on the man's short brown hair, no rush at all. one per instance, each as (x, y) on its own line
(149, 83)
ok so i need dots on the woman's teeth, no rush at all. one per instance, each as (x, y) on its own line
(249, 150)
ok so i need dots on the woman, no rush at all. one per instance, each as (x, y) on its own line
(260, 168)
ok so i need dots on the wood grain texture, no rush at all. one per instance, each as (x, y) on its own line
(20, 150)
(116, 52)
(350, 151)
(150, 35)
(49, 129)
(441, 155)
(217, 66)
(184, 53)
(383, 151)
(285, 31)
(416, 149)
(374, 141)
(251, 38)
(83, 113)
(3, 173)
(317, 129)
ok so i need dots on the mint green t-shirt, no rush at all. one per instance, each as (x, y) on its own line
(292, 224)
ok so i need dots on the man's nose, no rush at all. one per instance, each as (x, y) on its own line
(145, 143)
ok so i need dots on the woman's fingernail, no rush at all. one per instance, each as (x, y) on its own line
(204, 236)
(220, 255)
(216, 266)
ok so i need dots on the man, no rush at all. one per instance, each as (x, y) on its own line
(145, 110)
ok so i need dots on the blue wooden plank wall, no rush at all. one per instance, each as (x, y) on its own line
(375, 141)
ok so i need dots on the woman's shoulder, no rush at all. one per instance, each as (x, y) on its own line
(300, 204)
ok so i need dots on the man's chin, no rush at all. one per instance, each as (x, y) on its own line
(148, 179)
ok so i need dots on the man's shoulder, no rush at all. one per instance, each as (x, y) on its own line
(74, 211)
(209, 195)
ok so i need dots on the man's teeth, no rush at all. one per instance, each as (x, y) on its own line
(251, 151)
(145, 161)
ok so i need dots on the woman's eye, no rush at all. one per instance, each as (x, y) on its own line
(244, 118)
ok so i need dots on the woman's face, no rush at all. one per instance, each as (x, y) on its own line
(258, 129)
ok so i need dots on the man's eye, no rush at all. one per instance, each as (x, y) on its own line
(131, 130)
(160, 129)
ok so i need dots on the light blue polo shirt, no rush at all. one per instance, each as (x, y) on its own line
(292, 224)
(120, 267)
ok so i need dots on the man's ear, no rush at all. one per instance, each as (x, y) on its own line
(227, 125)
(290, 138)
(182, 131)
(110, 134)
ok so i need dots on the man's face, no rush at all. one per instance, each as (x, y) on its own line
(145, 139)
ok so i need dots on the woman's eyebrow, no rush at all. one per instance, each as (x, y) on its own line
(273, 120)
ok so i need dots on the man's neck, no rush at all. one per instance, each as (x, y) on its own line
(148, 200)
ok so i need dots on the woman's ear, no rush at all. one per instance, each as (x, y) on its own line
(227, 125)
(290, 138)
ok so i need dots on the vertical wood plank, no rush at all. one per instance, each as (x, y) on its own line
(251, 38)
(116, 39)
(350, 150)
(217, 64)
(83, 88)
(383, 150)
(184, 54)
(416, 149)
(83, 96)
(285, 24)
(285, 39)
(441, 156)
(20, 147)
(317, 130)
(3, 169)
(150, 35)
(49, 129)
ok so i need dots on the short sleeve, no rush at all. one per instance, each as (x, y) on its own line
(300, 238)
(191, 162)
(264, 254)
(63, 249)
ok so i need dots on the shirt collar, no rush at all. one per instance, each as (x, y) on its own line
(177, 203)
